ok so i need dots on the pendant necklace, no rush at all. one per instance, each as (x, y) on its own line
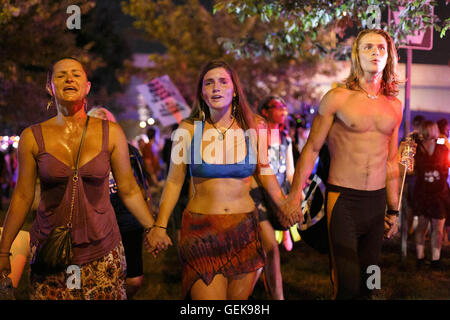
(222, 134)
(370, 96)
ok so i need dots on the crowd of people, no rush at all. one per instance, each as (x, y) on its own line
(427, 198)
(233, 183)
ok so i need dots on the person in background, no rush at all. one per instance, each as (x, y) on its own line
(150, 157)
(444, 129)
(274, 110)
(431, 192)
(410, 179)
(280, 151)
(11, 162)
(131, 230)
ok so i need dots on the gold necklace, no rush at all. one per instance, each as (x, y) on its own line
(222, 134)
(370, 96)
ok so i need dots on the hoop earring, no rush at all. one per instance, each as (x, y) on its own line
(234, 102)
(202, 110)
(49, 104)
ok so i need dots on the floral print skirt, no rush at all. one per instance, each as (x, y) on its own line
(101, 279)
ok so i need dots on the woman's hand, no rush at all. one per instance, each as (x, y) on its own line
(5, 267)
(390, 226)
(157, 240)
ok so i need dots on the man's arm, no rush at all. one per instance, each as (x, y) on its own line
(393, 178)
(319, 131)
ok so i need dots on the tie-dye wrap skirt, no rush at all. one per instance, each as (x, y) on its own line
(212, 244)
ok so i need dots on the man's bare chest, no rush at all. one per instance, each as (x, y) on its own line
(364, 115)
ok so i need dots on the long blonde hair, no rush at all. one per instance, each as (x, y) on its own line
(390, 80)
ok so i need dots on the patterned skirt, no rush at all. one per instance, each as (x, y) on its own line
(101, 279)
(213, 244)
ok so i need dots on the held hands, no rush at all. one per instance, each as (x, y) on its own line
(390, 226)
(291, 212)
(157, 240)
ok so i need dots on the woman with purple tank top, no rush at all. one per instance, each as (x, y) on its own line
(48, 150)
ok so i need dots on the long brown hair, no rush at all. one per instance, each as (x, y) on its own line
(390, 80)
(243, 112)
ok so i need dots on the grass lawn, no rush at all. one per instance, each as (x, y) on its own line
(305, 275)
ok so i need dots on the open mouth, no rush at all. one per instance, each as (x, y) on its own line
(70, 89)
(216, 97)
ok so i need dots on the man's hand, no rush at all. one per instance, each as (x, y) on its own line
(291, 212)
(390, 226)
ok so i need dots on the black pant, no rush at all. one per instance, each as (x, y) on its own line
(132, 243)
(356, 227)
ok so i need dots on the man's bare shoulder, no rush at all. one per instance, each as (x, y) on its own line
(333, 100)
(396, 104)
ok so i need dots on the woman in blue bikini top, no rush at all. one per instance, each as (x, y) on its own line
(221, 146)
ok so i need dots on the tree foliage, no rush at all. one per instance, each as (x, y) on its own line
(34, 34)
(192, 36)
(295, 26)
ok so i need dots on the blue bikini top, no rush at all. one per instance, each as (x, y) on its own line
(202, 169)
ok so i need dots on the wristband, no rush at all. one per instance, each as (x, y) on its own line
(147, 230)
(392, 212)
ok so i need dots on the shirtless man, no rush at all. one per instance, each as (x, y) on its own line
(360, 123)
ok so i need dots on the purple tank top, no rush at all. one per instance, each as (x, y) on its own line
(95, 231)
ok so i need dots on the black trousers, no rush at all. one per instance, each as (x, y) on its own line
(355, 229)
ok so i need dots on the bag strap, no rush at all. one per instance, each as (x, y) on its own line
(75, 174)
